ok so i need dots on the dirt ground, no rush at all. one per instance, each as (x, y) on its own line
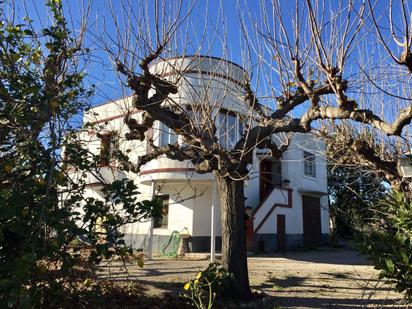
(313, 279)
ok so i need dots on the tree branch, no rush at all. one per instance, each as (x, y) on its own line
(361, 116)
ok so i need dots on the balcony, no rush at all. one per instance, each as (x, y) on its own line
(165, 169)
(103, 174)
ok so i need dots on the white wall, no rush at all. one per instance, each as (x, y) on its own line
(293, 164)
(195, 213)
(218, 88)
(115, 112)
(324, 214)
(189, 206)
(293, 169)
(202, 213)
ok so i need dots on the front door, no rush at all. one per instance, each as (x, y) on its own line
(311, 221)
(281, 233)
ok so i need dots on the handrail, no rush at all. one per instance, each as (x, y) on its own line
(288, 205)
(267, 216)
(289, 199)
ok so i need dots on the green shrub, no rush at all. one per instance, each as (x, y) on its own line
(206, 286)
(43, 209)
(388, 242)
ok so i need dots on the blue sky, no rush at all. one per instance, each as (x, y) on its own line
(100, 71)
(108, 82)
(223, 15)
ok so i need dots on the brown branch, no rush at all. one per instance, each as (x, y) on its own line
(306, 87)
(275, 151)
(251, 99)
(358, 115)
(367, 152)
(348, 147)
(154, 105)
(286, 104)
(171, 151)
(137, 131)
(405, 58)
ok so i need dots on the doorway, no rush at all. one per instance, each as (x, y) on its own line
(281, 233)
(270, 176)
(311, 221)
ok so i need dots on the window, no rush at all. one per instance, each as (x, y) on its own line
(277, 173)
(309, 164)
(162, 222)
(167, 136)
(227, 128)
(108, 147)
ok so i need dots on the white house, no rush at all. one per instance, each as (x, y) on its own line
(285, 214)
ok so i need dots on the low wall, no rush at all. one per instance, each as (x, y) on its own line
(196, 243)
(268, 242)
(262, 242)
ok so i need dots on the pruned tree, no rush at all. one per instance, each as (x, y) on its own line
(312, 67)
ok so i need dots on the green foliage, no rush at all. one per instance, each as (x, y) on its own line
(203, 289)
(42, 205)
(353, 193)
(389, 242)
(218, 277)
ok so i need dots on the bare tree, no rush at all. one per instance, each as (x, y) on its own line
(317, 65)
(382, 86)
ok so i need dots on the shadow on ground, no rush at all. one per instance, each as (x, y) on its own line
(347, 303)
(158, 276)
(323, 255)
(310, 279)
(316, 292)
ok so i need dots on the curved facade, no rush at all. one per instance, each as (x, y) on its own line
(211, 89)
(204, 80)
(208, 85)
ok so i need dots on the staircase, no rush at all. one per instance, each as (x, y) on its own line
(279, 197)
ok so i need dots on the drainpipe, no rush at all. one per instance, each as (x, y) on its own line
(212, 226)
(150, 243)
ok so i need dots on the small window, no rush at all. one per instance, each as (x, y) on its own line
(108, 147)
(167, 136)
(227, 128)
(309, 164)
(162, 222)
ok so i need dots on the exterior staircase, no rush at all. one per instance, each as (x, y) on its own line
(278, 197)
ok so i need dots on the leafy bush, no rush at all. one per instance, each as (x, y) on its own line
(203, 289)
(389, 242)
(43, 209)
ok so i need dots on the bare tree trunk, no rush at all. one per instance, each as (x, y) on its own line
(234, 256)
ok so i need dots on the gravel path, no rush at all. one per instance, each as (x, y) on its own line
(314, 279)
